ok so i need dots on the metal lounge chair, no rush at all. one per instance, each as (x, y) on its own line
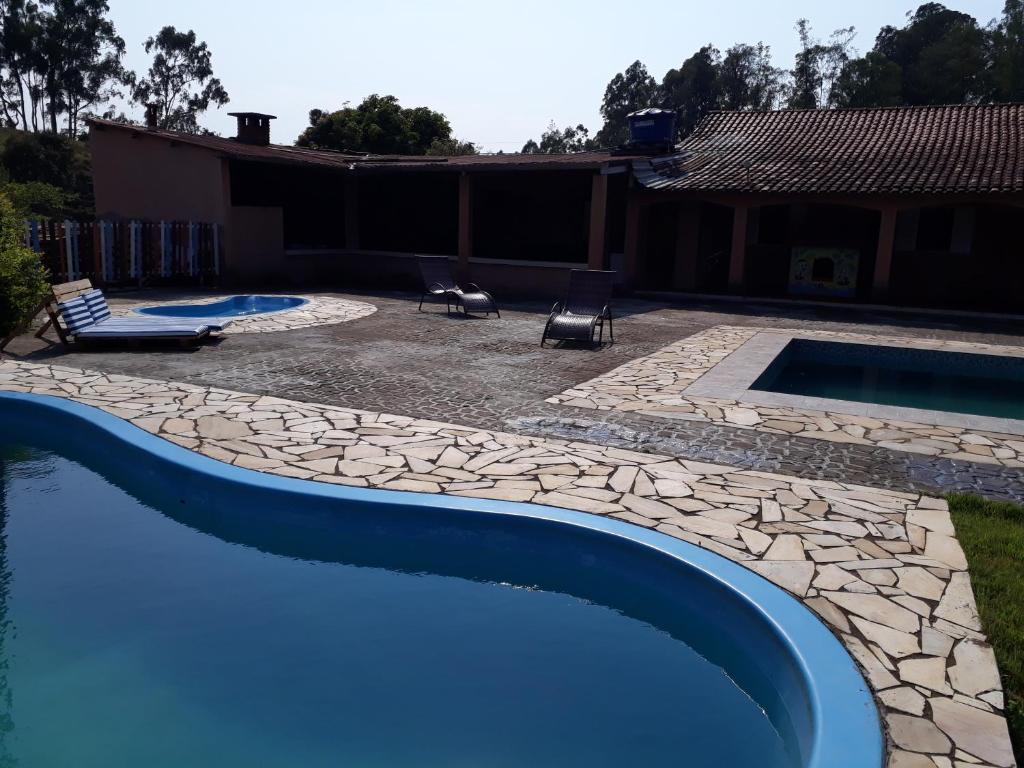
(439, 283)
(586, 306)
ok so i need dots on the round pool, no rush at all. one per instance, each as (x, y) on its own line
(232, 306)
(149, 591)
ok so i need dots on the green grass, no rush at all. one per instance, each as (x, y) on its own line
(992, 535)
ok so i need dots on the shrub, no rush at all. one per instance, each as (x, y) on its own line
(36, 199)
(23, 279)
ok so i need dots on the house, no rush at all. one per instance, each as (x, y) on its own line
(910, 206)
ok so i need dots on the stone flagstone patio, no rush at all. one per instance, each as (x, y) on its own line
(656, 385)
(882, 568)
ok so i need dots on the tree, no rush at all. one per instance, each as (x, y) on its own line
(559, 142)
(20, 86)
(1008, 53)
(817, 65)
(693, 90)
(36, 199)
(748, 79)
(627, 92)
(180, 80)
(33, 159)
(452, 147)
(379, 125)
(871, 81)
(943, 55)
(80, 58)
(57, 58)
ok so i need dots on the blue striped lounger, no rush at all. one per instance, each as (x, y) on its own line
(95, 322)
(100, 312)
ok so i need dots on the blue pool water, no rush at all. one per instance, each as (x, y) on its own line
(986, 385)
(158, 608)
(233, 306)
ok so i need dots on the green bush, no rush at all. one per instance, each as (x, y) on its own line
(36, 199)
(23, 279)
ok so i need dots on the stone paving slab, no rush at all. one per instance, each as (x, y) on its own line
(318, 310)
(499, 379)
(658, 385)
(882, 568)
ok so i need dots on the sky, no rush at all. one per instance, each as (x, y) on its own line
(500, 72)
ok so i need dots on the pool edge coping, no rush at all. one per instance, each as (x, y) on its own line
(303, 301)
(732, 378)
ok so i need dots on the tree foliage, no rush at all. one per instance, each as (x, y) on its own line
(452, 147)
(943, 55)
(180, 80)
(748, 79)
(59, 60)
(1008, 53)
(694, 89)
(38, 161)
(554, 141)
(627, 92)
(940, 56)
(871, 81)
(817, 66)
(379, 125)
(36, 199)
(23, 279)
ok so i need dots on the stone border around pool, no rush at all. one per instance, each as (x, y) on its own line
(732, 379)
(663, 385)
(882, 568)
(318, 310)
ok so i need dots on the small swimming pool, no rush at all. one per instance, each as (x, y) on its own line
(233, 306)
(957, 382)
(149, 592)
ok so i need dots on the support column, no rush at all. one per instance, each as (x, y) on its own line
(685, 272)
(883, 257)
(634, 212)
(598, 221)
(227, 256)
(738, 255)
(351, 212)
(465, 224)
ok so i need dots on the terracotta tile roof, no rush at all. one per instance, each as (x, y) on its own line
(362, 162)
(963, 149)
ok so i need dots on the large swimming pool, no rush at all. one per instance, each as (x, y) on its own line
(162, 609)
(233, 306)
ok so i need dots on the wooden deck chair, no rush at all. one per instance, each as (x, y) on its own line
(186, 331)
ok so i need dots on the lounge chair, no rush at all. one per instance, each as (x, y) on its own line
(439, 283)
(79, 313)
(586, 306)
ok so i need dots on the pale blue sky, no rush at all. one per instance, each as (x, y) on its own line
(499, 71)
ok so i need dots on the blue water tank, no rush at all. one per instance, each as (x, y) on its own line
(652, 126)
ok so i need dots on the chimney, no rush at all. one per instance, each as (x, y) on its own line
(253, 127)
(152, 116)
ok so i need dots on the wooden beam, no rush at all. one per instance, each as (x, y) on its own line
(738, 254)
(634, 233)
(351, 212)
(227, 251)
(684, 275)
(598, 221)
(883, 257)
(465, 224)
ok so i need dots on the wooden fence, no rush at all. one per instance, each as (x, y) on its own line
(113, 253)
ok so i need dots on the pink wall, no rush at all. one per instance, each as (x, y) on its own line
(149, 178)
